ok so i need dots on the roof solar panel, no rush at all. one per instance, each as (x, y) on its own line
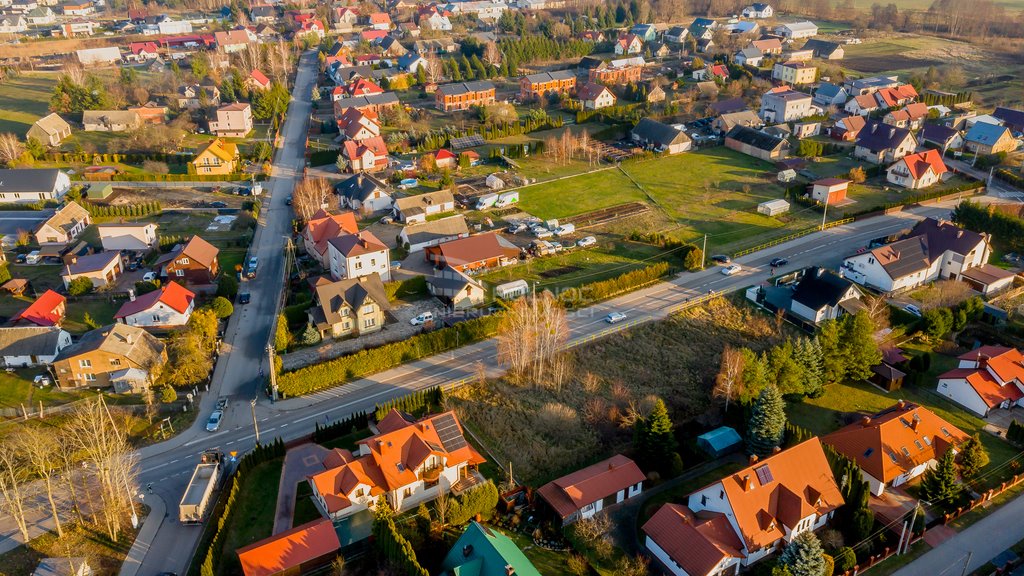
(764, 475)
(449, 433)
(467, 141)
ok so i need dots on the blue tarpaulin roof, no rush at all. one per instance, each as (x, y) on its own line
(719, 440)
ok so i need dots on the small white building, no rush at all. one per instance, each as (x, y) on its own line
(131, 236)
(796, 30)
(94, 56)
(169, 306)
(586, 492)
(773, 207)
(512, 290)
(25, 346)
(987, 378)
(418, 236)
(412, 209)
(360, 254)
(28, 185)
(758, 10)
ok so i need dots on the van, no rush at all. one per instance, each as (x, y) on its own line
(565, 229)
(33, 257)
(507, 199)
(422, 319)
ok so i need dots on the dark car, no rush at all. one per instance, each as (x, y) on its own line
(778, 262)
(288, 201)
(218, 204)
(244, 298)
(721, 259)
(21, 258)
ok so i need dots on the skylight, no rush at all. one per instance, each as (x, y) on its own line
(918, 444)
(764, 475)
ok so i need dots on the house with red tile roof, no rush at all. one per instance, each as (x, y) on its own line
(910, 116)
(357, 125)
(629, 44)
(445, 159)
(861, 105)
(360, 86)
(297, 551)
(917, 171)
(359, 254)
(986, 379)
(897, 444)
(408, 462)
(48, 310)
(380, 21)
(846, 129)
(142, 51)
(257, 80)
(482, 251)
(590, 490)
(369, 155)
(168, 306)
(747, 515)
(321, 228)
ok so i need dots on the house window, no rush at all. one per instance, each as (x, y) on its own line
(85, 363)
(407, 493)
(359, 493)
(367, 309)
(89, 377)
(359, 265)
(369, 323)
(183, 261)
(179, 273)
(115, 361)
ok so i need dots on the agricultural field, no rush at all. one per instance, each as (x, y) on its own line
(23, 100)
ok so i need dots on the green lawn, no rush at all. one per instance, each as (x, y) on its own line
(305, 509)
(253, 516)
(23, 100)
(579, 194)
(547, 562)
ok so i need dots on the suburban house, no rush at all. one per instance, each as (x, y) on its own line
(894, 96)
(756, 143)
(232, 121)
(726, 122)
(795, 73)
(824, 49)
(861, 105)
(910, 116)
(984, 138)
(796, 30)
(364, 194)
(629, 44)
(870, 85)
(103, 269)
(456, 289)
(824, 295)
(829, 94)
(358, 254)
(595, 96)
(50, 130)
(584, 493)
(484, 551)
(758, 10)
(257, 81)
(150, 112)
(412, 209)
(1012, 119)
(618, 72)
(660, 137)
(25, 346)
(419, 235)
(169, 306)
(986, 379)
(896, 445)
(369, 155)
(676, 34)
(783, 104)
(350, 307)
(357, 126)
(125, 357)
(748, 56)
(407, 462)
(323, 226)
(131, 236)
(28, 185)
(230, 41)
(110, 120)
(360, 86)
(13, 24)
(747, 515)
(944, 137)
(479, 252)
(829, 190)
(932, 250)
(304, 549)
(195, 262)
(217, 157)
(445, 159)
(543, 84)
(66, 224)
(195, 96)
(988, 279)
(464, 95)
(143, 51)
(916, 171)
(880, 143)
(47, 310)
(847, 129)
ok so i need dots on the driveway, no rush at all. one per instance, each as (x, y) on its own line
(299, 463)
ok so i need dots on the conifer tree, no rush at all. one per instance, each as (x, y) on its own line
(939, 484)
(767, 422)
(655, 440)
(804, 556)
(973, 457)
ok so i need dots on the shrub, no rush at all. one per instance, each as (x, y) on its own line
(604, 289)
(845, 559)
(222, 307)
(80, 286)
(146, 286)
(168, 394)
(479, 500)
(227, 286)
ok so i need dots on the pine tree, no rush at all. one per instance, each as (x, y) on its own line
(655, 439)
(807, 353)
(939, 484)
(973, 457)
(860, 346)
(767, 422)
(804, 556)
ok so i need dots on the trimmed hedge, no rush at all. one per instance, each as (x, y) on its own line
(236, 177)
(365, 362)
(122, 211)
(1009, 229)
(478, 500)
(590, 293)
(335, 430)
(417, 403)
(1010, 177)
(324, 157)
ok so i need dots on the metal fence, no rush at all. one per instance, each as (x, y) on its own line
(792, 236)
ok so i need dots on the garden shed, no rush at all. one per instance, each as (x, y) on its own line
(719, 441)
(773, 207)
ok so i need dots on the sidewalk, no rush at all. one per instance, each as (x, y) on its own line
(157, 511)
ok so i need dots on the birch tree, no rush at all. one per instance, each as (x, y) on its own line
(11, 149)
(729, 382)
(13, 485)
(310, 196)
(530, 337)
(39, 449)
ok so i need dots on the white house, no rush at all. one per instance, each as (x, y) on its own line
(896, 445)
(31, 345)
(988, 378)
(437, 22)
(933, 250)
(92, 56)
(412, 209)
(595, 96)
(586, 492)
(747, 515)
(407, 462)
(28, 185)
(359, 254)
(917, 171)
(364, 193)
(168, 306)
(758, 10)
(66, 224)
(132, 236)
(823, 295)
(420, 235)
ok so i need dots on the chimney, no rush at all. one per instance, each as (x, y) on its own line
(915, 422)
(982, 361)
(509, 570)
(747, 484)
(901, 404)
(753, 459)
(776, 450)
(131, 294)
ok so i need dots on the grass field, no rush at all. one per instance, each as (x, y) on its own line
(23, 100)
(254, 509)
(105, 557)
(579, 194)
(925, 4)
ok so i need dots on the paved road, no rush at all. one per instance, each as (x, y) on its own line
(983, 541)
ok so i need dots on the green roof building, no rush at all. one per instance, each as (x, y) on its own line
(481, 551)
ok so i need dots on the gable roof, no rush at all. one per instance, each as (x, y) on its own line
(360, 187)
(877, 136)
(29, 340)
(1010, 117)
(588, 485)
(591, 91)
(259, 77)
(409, 205)
(290, 549)
(173, 295)
(28, 179)
(927, 241)
(819, 288)
(729, 105)
(131, 342)
(201, 251)
(896, 440)
(550, 76)
(474, 249)
(226, 151)
(91, 263)
(938, 133)
(698, 543)
(66, 217)
(767, 44)
(42, 311)
(659, 133)
(484, 551)
(1007, 364)
(363, 242)
(456, 88)
(919, 164)
(52, 123)
(755, 138)
(323, 226)
(434, 229)
(333, 297)
(985, 133)
(852, 123)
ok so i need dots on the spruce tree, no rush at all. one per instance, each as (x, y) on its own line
(861, 349)
(833, 364)
(655, 439)
(939, 484)
(767, 422)
(804, 556)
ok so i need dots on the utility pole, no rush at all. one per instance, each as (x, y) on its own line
(704, 252)
(255, 425)
(824, 213)
(273, 373)
(913, 519)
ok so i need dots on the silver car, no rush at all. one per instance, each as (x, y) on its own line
(213, 424)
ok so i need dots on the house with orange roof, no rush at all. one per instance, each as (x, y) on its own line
(300, 550)
(407, 462)
(48, 310)
(360, 86)
(195, 263)
(861, 105)
(380, 21)
(257, 80)
(168, 306)
(587, 491)
(359, 254)
(629, 44)
(747, 515)
(897, 444)
(910, 116)
(917, 171)
(357, 125)
(369, 155)
(986, 379)
(321, 228)
(479, 252)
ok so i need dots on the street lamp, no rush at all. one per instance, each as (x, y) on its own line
(255, 425)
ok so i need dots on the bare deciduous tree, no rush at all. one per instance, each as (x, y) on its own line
(39, 449)
(530, 336)
(729, 382)
(11, 149)
(310, 196)
(441, 507)
(13, 477)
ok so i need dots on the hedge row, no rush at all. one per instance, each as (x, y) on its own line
(340, 370)
(595, 291)
(87, 158)
(1009, 229)
(122, 211)
(393, 546)
(480, 500)
(335, 430)
(418, 403)
(1010, 177)
(324, 157)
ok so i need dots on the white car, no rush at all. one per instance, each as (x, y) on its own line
(587, 242)
(614, 317)
(731, 269)
(422, 319)
(149, 277)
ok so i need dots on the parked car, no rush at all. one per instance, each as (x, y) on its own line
(541, 232)
(721, 259)
(778, 262)
(731, 269)
(587, 242)
(254, 262)
(422, 319)
(396, 264)
(222, 403)
(244, 298)
(913, 310)
(20, 258)
(288, 201)
(149, 277)
(614, 317)
(218, 204)
(213, 424)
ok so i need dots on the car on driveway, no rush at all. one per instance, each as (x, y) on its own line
(213, 424)
(422, 319)
(778, 262)
(149, 277)
(913, 310)
(731, 269)
(721, 259)
(614, 317)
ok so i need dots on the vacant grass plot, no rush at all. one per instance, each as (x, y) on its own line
(579, 194)
(23, 100)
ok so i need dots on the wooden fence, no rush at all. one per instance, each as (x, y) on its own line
(985, 497)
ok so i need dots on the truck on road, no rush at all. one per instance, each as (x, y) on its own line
(199, 493)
